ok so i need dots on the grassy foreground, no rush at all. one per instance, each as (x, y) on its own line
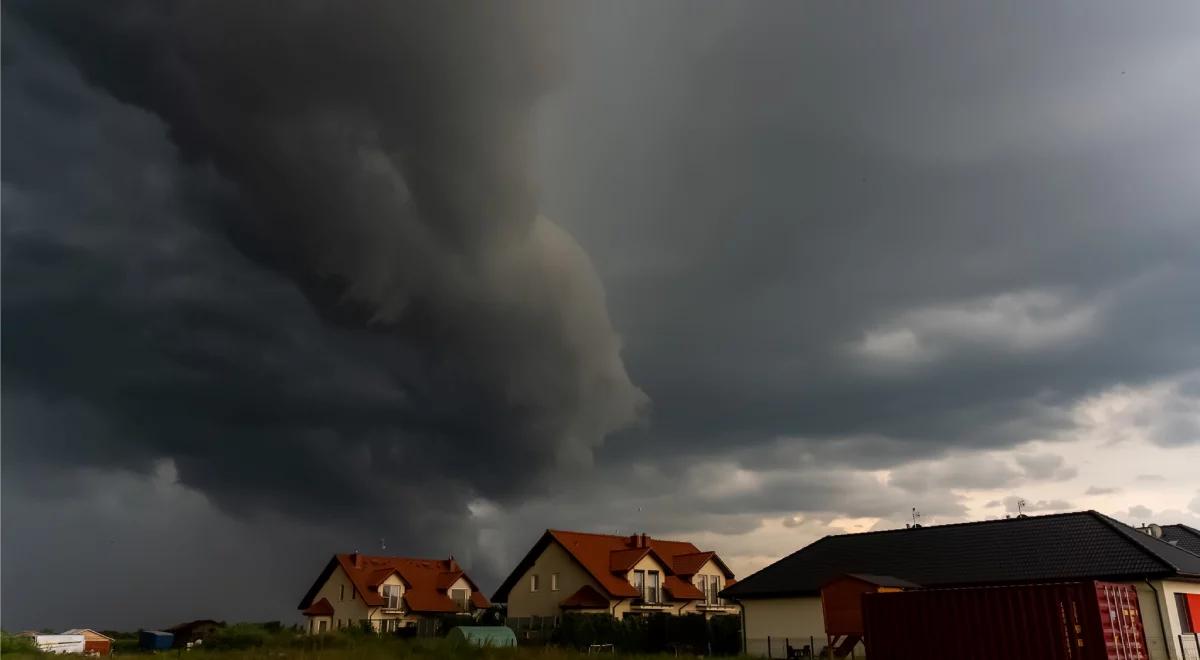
(337, 647)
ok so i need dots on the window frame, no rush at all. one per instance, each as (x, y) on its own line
(463, 604)
(554, 582)
(390, 590)
(533, 582)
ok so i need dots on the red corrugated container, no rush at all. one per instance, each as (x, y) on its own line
(1064, 621)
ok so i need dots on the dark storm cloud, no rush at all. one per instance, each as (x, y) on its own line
(380, 159)
(431, 336)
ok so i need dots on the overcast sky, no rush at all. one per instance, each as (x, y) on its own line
(425, 281)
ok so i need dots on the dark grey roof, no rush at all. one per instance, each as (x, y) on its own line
(1182, 536)
(1065, 546)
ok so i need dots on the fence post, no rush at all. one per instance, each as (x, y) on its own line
(769, 646)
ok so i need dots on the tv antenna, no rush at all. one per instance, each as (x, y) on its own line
(382, 545)
(1021, 507)
(916, 516)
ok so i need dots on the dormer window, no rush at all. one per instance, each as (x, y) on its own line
(647, 582)
(391, 596)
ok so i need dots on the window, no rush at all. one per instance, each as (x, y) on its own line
(342, 594)
(533, 582)
(391, 596)
(389, 625)
(554, 582)
(714, 588)
(1186, 624)
(321, 626)
(647, 583)
(702, 585)
(459, 596)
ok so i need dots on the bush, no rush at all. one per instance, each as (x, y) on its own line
(241, 636)
(13, 644)
(657, 633)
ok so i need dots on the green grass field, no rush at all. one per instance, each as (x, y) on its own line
(340, 646)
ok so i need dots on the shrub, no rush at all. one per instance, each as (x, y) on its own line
(14, 644)
(240, 636)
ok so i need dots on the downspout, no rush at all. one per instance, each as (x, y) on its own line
(1168, 644)
(742, 607)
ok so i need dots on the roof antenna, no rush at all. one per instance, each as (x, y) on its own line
(382, 545)
(916, 516)
(1021, 507)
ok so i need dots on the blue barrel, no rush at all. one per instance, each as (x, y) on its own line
(155, 640)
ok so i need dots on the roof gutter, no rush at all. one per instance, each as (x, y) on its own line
(1167, 644)
(742, 620)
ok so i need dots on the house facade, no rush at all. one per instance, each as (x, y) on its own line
(616, 575)
(782, 601)
(387, 593)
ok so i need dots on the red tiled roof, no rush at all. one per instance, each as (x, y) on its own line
(620, 561)
(320, 608)
(586, 598)
(425, 581)
(446, 579)
(608, 557)
(429, 601)
(479, 600)
(679, 589)
(691, 563)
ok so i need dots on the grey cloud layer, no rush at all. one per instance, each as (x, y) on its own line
(311, 272)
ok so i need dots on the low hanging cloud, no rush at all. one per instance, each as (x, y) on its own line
(1140, 512)
(1018, 322)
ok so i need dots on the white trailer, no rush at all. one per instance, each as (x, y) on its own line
(59, 643)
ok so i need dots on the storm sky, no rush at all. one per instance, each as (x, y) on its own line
(421, 280)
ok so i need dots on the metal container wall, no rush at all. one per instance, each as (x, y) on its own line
(1065, 621)
(155, 640)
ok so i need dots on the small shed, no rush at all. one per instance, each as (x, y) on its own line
(155, 640)
(93, 642)
(494, 636)
(841, 606)
(59, 643)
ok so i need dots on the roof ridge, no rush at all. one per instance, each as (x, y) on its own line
(965, 523)
(1125, 530)
(615, 536)
(391, 557)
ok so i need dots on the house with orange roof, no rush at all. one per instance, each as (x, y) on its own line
(387, 593)
(616, 575)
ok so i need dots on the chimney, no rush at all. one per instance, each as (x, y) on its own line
(357, 559)
(453, 565)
